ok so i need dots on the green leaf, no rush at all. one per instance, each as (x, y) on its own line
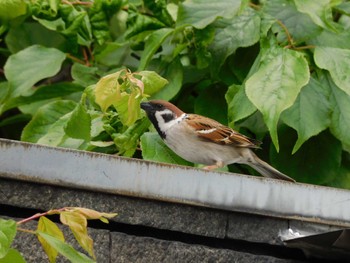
(31, 65)
(46, 116)
(84, 75)
(153, 42)
(66, 250)
(44, 93)
(79, 123)
(299, 25)
(337, 62)
(8, 229)
(340, 116)
(332, 39)
(239, 106)
(152, 82)
(12, 256)
(317, 161)
(276, 84)
(45, 225)
(31, 33)
(241, 31)
(173, 72)
(201, 13)
(310, 114)
(154, 149)
(127, 141)
(320, 12)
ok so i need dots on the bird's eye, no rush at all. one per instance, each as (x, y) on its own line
(159, 106)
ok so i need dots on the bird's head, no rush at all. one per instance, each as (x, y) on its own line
(162, 114)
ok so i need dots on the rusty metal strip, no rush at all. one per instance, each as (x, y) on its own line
(101, 172)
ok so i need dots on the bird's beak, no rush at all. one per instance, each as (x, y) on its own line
(146, 106)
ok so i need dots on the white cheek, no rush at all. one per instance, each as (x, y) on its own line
(164, 126)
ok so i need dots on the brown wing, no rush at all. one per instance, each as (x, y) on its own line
(209, 129)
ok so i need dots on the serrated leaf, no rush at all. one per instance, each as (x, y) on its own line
(45, 117)
(201, 13)
(152, 82)
(154, 149)
(45, 225)
(12, 256)
(153, 42)
(66, 250)
(77, 223)
(276, 84)
(337, 62)
(310, 113)
(31, 65)
(8, 229)
(241, 31)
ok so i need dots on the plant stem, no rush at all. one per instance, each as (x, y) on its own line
(75, 59)
(36, 216)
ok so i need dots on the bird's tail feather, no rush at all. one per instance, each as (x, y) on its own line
(268, 171)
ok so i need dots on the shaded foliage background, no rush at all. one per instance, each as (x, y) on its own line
(276, 70)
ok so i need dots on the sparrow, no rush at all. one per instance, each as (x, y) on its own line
(202, 140)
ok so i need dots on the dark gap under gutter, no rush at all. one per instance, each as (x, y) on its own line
(169, 235)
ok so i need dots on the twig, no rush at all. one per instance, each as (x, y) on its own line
(77, 3)
(50, 212)
(75, 59)
(289, 37)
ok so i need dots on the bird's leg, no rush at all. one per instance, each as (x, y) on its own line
(218, 164)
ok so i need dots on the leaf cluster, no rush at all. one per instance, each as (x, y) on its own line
(275, 70)
(51, 236)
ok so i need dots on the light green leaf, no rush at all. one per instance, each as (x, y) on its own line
(77, 223)
(107, 90)
(45, 225)
(46, 116)
(173, 72)
(79, 123)
(152, 82)
(66, 250)
(10, 9)
(340, 118)
(241, 31)
(153, 42)
(337, 62)
(8, 229)
(276, 84)
(310, 114)
(154, 149)
(31, 65)
(201, 13)
(320, 12)
(12, 256)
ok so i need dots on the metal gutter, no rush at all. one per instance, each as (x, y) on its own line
(125, 176)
